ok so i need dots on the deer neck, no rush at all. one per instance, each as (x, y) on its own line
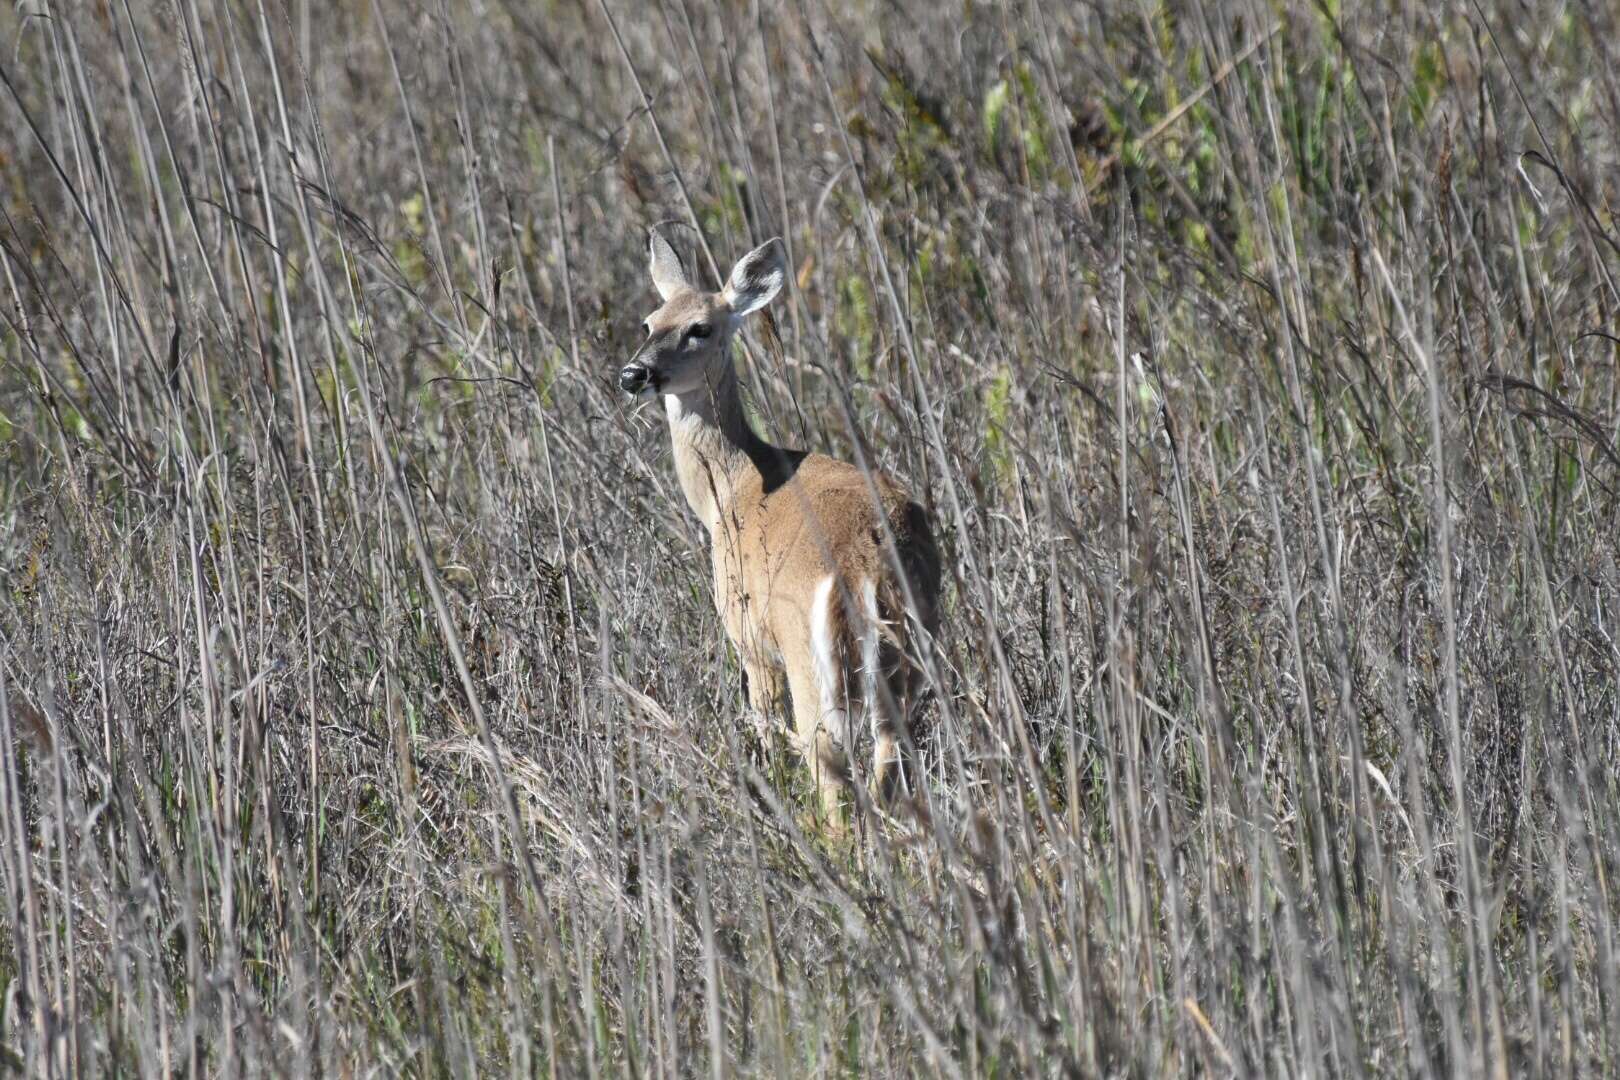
(715, 445)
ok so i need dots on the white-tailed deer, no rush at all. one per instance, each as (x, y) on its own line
(809, 588)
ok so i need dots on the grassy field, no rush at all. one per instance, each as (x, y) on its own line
(363, 705)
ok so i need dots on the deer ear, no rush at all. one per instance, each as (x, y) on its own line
(665, 267)
(756, 278)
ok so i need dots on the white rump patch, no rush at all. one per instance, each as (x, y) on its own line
(824, 651)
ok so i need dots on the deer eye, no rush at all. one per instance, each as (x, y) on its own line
(697, 332)
(646, 328)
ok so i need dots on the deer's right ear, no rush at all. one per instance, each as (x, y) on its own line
(665, 267)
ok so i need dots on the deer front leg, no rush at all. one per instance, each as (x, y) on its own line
(763, 678)
(764, 686)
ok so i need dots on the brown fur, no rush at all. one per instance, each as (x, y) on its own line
(781, 524)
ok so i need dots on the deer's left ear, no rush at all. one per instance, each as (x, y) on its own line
(757, 277)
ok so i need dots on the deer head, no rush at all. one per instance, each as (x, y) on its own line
(688, 336)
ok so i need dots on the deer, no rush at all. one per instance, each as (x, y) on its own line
(817, 563)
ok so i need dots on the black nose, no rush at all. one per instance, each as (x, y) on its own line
(633, 378)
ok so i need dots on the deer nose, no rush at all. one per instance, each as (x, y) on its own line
(634, 378)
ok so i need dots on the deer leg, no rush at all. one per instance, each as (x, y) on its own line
(821, 729)
(890, 779)
(883, 686)
(764, 687)
(894, 775)
(892, 699)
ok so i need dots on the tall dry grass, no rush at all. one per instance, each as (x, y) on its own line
(363, 708)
